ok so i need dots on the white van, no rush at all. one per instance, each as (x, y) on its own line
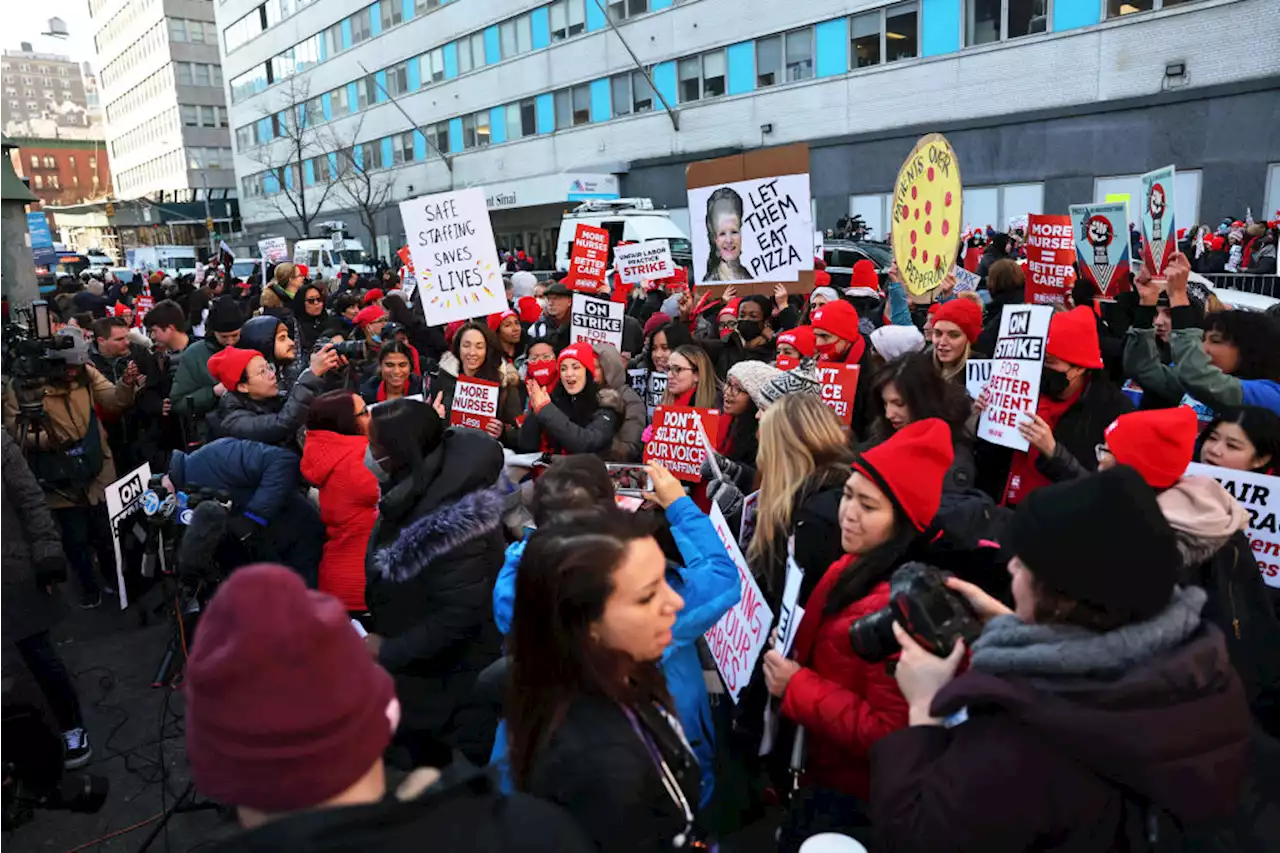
(628, 220)
(319, 255)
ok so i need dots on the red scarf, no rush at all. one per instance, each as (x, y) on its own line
(685, 399)
(1024, 478)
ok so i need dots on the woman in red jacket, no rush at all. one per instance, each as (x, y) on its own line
(333, 459)
(844, 703)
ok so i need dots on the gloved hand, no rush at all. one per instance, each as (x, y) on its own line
(729, 469)
(726, 495)
(50, 569)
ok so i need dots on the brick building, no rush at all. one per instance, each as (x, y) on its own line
(62, 171)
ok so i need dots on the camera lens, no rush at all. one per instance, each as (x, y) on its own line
(872, 636)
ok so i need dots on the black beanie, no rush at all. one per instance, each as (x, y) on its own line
(1100, 539)
(224, 315)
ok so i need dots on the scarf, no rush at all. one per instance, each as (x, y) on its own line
(1054, 652)
(1024, 477)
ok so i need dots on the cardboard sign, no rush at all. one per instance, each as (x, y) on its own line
(1159, 233)
(754, 230)
(123, 497)
(839, 387)
(1102, 245)
(927, 208)
(737, 640)
(1259, 494)
(475, 403)
(638, 379)
(747, 529)
(676, 443)
(1013, 391)
(636, 262)
(596, 321)
(455, 259)
(589, 258)
(977, 372)
(273, 250)
(141, 306)
(1051, 251)
(406, 258)
(965, 280)
(657, 390)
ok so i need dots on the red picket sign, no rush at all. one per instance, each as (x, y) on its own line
(1051, 251)
(475, 403)
(589, 259)
(676, 443)
(839, 388)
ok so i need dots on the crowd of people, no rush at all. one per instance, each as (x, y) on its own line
(481, 601)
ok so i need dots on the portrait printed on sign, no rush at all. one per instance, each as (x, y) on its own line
(757, 230)
(1102, 244)
(1159, 234)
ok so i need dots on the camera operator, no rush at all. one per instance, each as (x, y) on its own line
(1102, 713)
(195, 392)
(273, 338)
(133, 440)
(253, 408)
(54, 418)
(32, 564)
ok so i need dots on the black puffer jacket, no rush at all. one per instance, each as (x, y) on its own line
(275, 421)
(562, 434)
(30, 548)
(433, 558)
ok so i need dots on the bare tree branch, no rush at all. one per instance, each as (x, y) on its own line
(367, 189)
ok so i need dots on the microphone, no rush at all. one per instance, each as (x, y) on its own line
(207, 526)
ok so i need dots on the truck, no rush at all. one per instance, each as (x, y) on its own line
(628, 220)
(326, 254)
(171, 260)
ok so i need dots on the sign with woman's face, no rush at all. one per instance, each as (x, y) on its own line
(754, 230)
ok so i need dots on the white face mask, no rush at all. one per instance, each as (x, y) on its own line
(542, 302)
(375, 467)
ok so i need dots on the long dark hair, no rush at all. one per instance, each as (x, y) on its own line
(744, 435)
(1262, 426)
(333, 412)
(868, 569)
(491, 369)
(925, 392)
(405, 431)
(565, 579)
(1254, 335)
(677, 335)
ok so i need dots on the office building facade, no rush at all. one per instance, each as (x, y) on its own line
(43, 93)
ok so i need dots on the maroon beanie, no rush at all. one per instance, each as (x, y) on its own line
(655, 322)
(286, 708)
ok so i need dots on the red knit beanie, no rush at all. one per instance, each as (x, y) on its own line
(839, 318)
(911, 466)
(370, 314)
(965, 313)
(821, 278)
(730, 307)
(1073, 337)
(581, 352)
(530, 310)
(864, 275)
(451, 331)
(801, 337)
(1158, 443)
(227, 365)
(373, 296)
(285, 706)
(655, 322)
(495, 320)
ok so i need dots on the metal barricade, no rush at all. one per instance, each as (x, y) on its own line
(1263, 285)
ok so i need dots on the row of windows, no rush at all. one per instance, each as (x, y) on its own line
(208, 158)
(45, 162)
(40, 182)
(119, 25)
(197, 74)
(168, 166)
(49, 94)
(151, 41)
(60, 69)
(138, 96)
(266, 15)
(195, 32)
(154, 129)
(200, 115)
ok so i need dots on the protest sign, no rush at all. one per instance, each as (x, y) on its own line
(790, 612)
(636, 262)
(596, 321)
(1051, 250)
(589, 258)
(455, 259)
(141, 306)
(657, 390)
(839, 387)
(1254, 492)
(1013, 390)
(676, 443)
(638, 379)
(123, 497)
(738, 638)
(1159, 233)
(927, 206)
(965, 280)
(976, 373)
(747, 529)
(475, 403)
(1102, 244)
(273, 250)
(752, 230)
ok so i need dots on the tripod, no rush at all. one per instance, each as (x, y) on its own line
(182, 624)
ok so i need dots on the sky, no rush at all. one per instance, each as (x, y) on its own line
(24, 21)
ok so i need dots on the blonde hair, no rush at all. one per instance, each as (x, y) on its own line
(707, 391)
(799, 435)
(284, 273)
(950, 372)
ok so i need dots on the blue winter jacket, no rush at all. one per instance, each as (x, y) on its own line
(709, 584)
(259, 477)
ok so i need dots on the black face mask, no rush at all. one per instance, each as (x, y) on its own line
(1054, 383)
(749, 329)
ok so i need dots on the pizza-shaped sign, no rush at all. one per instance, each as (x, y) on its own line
(926, 214)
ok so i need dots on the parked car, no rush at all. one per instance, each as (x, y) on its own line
(841, 255)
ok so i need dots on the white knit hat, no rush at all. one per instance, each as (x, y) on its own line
(894, 341)
(753, 376)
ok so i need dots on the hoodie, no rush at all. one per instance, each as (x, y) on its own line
(627, 442)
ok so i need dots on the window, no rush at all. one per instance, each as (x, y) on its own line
(338, 101)
(865, 35)
(182, 74)
(470, 53)
(885, 35)
(433, 66)
(245, 137)
(392, 13)
(642, 93)
(35, 161)
(469, 132)
(622, 9)
(507, 39)
(564, 109)
(800, 54)
(421, 6)
(66, 84)
(215, 75)
(221, 114)
(366, 91)
(1116, 8)
(177, 29)
(190, 116)
(482, 128)
(438, 137)
(49, 162)
(689, 77)
(901, 32)
(713, 74)
(333, 38)
(371, 156)
(986, 21)
(522, 119)
(398, 79)
(620, 90)
(361, 27)
(568, 18)
(200, 73)
(768, 61)
(53, 182)
(37, 181)
(402, 148)
(195, 32)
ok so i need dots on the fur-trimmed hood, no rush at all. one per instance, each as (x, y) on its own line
(611, 399)
(435, 534)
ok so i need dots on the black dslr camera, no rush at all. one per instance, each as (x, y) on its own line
(920, 602)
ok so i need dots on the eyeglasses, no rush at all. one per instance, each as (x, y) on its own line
(265, 373)
(728, 324)
(676, 369)
(1101, 451)
(733, 389)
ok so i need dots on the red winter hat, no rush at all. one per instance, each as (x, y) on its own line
(530, 310)
(965, 313)
(303, 270)
(227, 365)
(801, 337)
(730, 307)
(451, 331)
(286, 709)
(656, 321)
(910, 467)
(864, 275)
(821, 278)
(934, 309)
(1073, 337)
(370, 314)
(581, 352)
(1216, 242)
(373, 296)
(1158, 443)
(118, 309)
(819, 264)
(839, 318)
(495, 320)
